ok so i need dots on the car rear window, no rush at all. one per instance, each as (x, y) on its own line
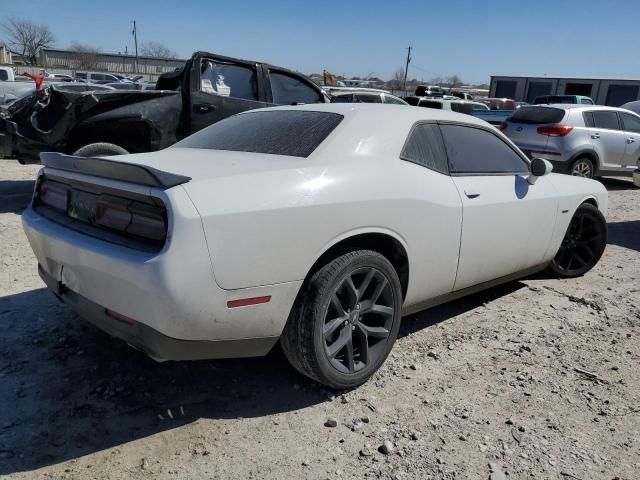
(555, 99)
(537, 115)
(278, 132)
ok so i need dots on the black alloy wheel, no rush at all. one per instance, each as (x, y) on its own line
(583, 244)
(358, 320)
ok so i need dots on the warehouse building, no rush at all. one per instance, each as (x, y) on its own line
(604, 91)
(53, 58)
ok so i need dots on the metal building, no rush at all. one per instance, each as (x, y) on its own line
(53, 58)
(604, 91)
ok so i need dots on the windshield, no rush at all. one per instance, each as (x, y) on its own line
(281, 132)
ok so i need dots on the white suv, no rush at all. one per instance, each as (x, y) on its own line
(582, 140)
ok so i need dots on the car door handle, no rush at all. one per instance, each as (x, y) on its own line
(631, 140)
(203, 107)
(471, 194)
(595, 135)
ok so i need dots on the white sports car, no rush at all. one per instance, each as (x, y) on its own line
(315, 225)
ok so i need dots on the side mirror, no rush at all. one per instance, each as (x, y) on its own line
(539, 168)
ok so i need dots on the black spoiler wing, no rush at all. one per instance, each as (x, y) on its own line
(102, 167)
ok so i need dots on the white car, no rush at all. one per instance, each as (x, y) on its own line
(316, 225)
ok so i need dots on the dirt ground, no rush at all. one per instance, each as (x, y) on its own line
(535, 379)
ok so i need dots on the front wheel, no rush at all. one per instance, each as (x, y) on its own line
(346, 320)
(583, 244)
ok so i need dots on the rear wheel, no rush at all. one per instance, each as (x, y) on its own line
(583, 167)
(583, 244)
(100, 149)
(346, 320)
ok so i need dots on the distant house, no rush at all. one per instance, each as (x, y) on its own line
(5, 55)
(604, 91)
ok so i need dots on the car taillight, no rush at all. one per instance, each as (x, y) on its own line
(555, 130)
(133, 218)
(504, 125)
(53, 195)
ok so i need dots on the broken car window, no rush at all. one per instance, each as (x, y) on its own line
(228, 80)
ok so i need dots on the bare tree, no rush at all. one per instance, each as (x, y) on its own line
(398, 78)
(87, 56)
(453, 81)
(157, 50)
(27, 38)
(436, 81)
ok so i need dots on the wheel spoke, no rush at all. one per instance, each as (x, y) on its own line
(381, 309)
(362, 341)
(365, 283)
(343, 340)
(351, 289)
(337, 304)
(332, 325)
(349, 355)
(375, 332)
(378, 291)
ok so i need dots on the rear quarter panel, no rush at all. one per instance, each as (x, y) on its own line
(270, 227)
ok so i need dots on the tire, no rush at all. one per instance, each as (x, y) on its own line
(583, 243)
(583, 167)
(101, 149)
(331, 309)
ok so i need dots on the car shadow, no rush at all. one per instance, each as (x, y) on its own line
(433, 316)
(625, 234)
(15, 195)
(69, 390)
(617, 183)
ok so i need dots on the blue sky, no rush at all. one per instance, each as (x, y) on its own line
(472, 39)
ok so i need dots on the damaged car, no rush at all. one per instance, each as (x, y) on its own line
(207, 89)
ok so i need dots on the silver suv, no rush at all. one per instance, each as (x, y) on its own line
(582, 140)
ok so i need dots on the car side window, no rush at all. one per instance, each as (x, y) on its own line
(424, 146)
(586, 101)
(392, 100)
(289, 90)
(473, 150)
(631, 123)
(368, 98)
(605, 119)
(228, 80)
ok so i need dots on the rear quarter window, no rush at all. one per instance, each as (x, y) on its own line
(534, 115)
(284, 132)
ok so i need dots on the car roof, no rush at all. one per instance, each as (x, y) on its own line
(575, 106)
(383, 115)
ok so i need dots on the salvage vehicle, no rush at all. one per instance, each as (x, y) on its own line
(429, 91)
(12, 86)
(318, 226)
(209, 88)
(572, 99)
(633, 106)
(583, 140)
(455, 105)
(364, 96)
(500, 110)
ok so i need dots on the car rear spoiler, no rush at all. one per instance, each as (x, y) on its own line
(102, 167)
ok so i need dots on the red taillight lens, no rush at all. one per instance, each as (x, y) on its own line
(555, 130)
(54, 195)
(133, 218)
(504, 125)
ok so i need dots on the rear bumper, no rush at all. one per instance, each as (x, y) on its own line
(149, 340)
(177, 308)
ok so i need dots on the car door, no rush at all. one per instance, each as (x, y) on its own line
(506, 222)
(607, 137)
(631, 126)
(221, 87)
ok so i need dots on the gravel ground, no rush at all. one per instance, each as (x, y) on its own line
(534, 379)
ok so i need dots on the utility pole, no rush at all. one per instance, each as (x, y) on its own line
(406, 69)
(135, 41)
